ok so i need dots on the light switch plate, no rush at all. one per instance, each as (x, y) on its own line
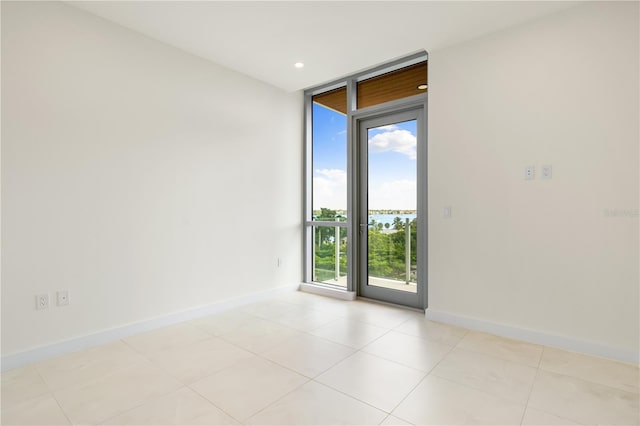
(62, 298)
(42, 301)
(529, 173)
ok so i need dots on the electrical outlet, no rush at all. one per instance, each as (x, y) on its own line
(62, 298)
(545, 171)
(529, 172)
(42, 301)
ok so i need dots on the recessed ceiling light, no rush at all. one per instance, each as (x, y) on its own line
(422, 87)
(298, 65)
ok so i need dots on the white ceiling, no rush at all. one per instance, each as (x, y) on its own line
(264, 39)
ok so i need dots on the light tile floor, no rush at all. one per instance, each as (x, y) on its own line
(306, 359)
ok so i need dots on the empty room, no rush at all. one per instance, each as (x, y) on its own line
(320, 212)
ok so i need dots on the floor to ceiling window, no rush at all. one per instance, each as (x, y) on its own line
(329, 187)
(366, 183)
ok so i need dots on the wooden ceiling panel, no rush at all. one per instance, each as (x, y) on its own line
(392, 86)
(395, 85)
(334, 99)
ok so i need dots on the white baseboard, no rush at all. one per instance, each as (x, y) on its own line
(328, 291)
(40, 353)
(534, 336)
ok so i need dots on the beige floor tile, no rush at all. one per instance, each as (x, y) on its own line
(381, 315)
(590, 368)
(271, 309)
(394, 421)
(313, 301)
(309, 320)
(309, 300)
(302, 298)
(195, 361)
(41, 410)
(582, 401)
(373, 380)
(308, 355)
(316, 404)
(351, 333)
(533, 417)
(87, 365)
(505, 379)
(248, 386)
(486, 379)
(408, 350)
(182, 407)
(501, 347)
(437, 401)
(166, 337)
(259, 335)
(21, 384)
(224, 322)
(110, 395)
(430, 330)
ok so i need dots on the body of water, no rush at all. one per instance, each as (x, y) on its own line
(388, 218)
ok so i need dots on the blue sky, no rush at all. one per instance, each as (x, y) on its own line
(392, 163)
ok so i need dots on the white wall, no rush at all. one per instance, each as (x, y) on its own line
(558, 257)
(142, 179)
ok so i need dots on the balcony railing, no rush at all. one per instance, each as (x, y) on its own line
(330, 266)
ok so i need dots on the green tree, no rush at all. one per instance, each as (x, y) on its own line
(398, 224)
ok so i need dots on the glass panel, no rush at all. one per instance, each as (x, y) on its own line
(392, 202)
(329, 146)
(330, 255)
(405, 82)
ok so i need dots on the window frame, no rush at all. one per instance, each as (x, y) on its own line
(353, 114)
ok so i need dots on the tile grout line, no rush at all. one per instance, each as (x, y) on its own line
(61, 409)
(384, 420)
(538, 369)
(150, 398)
(609, 387)
(350, 396)
(51, 392)
(583, 378)
(212, 403)
(277, 400)
(480, 390)
(146, 400)
(106, 375)
(428, 373)
(533, 383)
(360, 350)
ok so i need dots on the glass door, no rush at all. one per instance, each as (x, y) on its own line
(391, 211)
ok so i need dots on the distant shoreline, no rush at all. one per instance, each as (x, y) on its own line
(374, 212)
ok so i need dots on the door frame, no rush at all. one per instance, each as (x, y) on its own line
(358, 249)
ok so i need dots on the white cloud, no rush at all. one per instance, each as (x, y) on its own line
(330, 189)
(387, 128)
(402, 141)
(394, 195)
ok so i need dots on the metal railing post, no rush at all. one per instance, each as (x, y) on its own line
(407, 250)
(337, 248)
(313, 254)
